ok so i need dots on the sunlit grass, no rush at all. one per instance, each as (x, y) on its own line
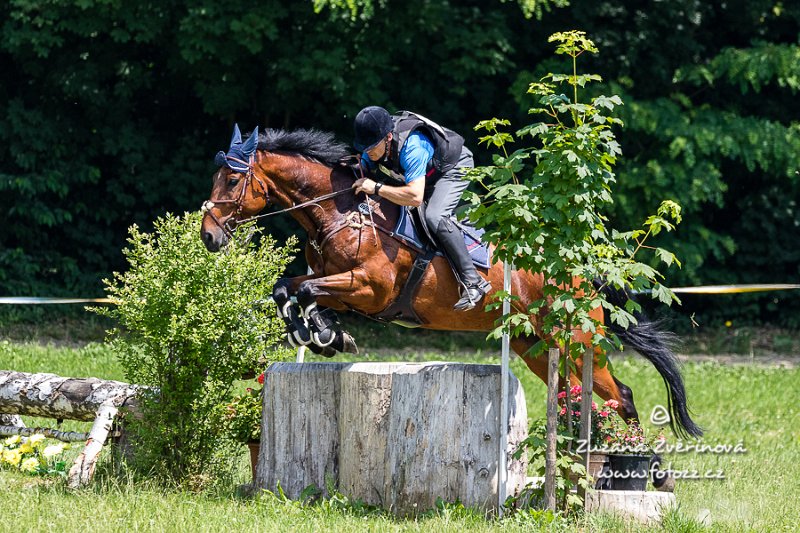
(754, 405)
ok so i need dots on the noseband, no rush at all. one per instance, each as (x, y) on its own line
(209, 204)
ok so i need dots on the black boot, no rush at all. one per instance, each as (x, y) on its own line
(452, 244)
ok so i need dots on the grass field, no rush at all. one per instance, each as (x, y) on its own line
(755, 405)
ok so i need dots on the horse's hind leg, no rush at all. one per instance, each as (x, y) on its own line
(605, 385)
(610, 388)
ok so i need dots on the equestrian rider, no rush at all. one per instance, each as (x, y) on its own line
(417, 163)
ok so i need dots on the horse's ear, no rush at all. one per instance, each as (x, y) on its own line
(249, 146)
(237, 135)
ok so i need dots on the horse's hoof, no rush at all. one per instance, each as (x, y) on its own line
(663, 481)
(348, 344)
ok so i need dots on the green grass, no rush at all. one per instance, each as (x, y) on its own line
(756, 405)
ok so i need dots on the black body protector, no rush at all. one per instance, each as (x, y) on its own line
(444, 185)
(447, 146)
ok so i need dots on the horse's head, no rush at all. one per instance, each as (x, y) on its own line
(236, 193)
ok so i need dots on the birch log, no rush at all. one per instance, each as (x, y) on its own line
(83, 468)
(52, 396)
(391, 434)
(11, 421)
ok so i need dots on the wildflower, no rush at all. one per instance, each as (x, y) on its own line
(29, 465)
(14, 439)
(603, 413)
(594, 406)
(53, 450)
(612, 404)
(562, 395)
(575, 390)
(25, 448)
(261, 378)
(36, 439)
(12, 457)
(563, 411)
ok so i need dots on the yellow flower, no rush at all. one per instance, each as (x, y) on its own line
(53, 450)
(10, 441)
(12, 457)
(728, 323)
(36, 439)
(26, 448)
(29, 465)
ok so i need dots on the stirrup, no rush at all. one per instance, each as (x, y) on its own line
(472, 295)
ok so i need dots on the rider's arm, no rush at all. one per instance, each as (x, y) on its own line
(408, 194)
(414, 158)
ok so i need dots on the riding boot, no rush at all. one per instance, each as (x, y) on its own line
(452, 243)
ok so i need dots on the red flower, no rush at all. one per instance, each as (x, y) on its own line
(261, 378)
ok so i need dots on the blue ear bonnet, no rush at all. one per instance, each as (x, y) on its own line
(238, 156)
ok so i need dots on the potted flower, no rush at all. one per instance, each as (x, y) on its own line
(630, 455)
(620, 453)
(241, 419)
(603, 427)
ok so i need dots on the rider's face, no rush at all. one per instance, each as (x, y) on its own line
(377, 152)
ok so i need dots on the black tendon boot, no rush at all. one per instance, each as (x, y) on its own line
(452, 244)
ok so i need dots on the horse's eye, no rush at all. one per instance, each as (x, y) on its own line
(233, 182)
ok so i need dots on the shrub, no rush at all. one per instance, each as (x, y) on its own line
(190, 324)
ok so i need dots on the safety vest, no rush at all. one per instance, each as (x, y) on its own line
(447, 145)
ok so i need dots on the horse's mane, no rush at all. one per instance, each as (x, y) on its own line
(314, 144)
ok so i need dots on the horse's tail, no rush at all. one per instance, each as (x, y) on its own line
(656, 345)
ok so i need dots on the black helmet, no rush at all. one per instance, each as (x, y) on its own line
(372, 124)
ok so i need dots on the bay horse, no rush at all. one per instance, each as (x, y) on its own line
(357, 264)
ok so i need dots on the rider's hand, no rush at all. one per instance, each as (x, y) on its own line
(364, 185)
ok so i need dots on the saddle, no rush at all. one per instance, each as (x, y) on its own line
(412, 231)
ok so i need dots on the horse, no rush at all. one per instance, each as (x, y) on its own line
(356, 264)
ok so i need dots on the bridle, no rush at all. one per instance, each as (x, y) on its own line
(209, 204)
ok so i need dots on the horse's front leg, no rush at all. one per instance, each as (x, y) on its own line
(343, 290)
(298, 332)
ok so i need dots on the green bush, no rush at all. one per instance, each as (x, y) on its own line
(190, 324)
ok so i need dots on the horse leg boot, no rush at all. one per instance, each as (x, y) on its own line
(297, 331)
(452, 243)
(326, 332)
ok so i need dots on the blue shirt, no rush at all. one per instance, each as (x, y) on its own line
(415, 155)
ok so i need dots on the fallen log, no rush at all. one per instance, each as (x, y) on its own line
(50, 433)
(11, 421)
(52, 396)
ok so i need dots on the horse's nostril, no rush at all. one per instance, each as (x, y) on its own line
(208, 240)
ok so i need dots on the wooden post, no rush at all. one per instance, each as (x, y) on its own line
(504, 372)
(587, 390)
(552, 428)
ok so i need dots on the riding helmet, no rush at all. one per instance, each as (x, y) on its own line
(372, 124)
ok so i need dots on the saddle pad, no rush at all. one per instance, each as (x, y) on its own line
(478, 251)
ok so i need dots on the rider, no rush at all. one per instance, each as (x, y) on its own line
(425, 164)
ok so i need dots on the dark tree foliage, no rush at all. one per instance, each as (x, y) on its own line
(111, 112)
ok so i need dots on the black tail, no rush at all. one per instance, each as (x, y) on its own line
(656, 346)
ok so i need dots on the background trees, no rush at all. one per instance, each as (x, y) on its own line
(111, 112)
